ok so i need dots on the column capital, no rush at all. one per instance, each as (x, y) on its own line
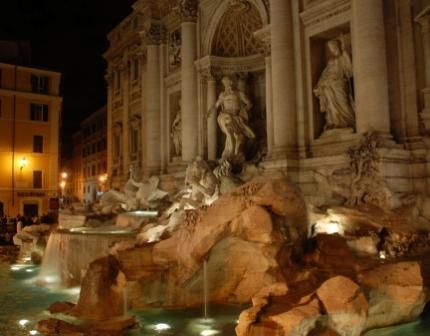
(188, 10)
(155, 33)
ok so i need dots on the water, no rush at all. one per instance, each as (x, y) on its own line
(21, 300)
(68, 254)
(159, 322)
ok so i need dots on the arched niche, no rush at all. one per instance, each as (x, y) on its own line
(223, 15)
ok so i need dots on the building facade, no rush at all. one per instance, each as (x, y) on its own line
(318, 75)
(94, 154)
(30, 115)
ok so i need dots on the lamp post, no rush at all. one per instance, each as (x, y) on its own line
(63, 184)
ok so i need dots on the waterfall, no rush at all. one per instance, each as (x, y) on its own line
(67, 256)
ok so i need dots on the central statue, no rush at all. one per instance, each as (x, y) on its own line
(234, 106)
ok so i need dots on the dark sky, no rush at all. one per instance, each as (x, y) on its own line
(67, 36)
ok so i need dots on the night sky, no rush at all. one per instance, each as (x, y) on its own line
(67, 36)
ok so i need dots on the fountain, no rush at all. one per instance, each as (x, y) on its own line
(62, 266)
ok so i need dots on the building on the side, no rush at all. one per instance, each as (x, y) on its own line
(30, 116)
(319, 74)
(94, 154)
(77, 189)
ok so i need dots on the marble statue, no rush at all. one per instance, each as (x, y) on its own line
(176, 132)
(148, 194)
(333, 88)
(136, 195)
(234, 106)
(202, 184)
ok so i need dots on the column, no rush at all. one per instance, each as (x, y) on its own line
(283, 77)
(109, 133)
(164, 126)
(212, 119)
(189, 80)
(424, 20)
(370, 66)
(269, 111)
(125, 84)
(152, 107)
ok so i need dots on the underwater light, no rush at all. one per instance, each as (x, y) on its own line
(161, 326)
(33, 332)
(209, 332)
(382, 255)
(23, 322)
(29, 270)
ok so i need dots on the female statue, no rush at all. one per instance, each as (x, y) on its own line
(333, 89)
(176, 132)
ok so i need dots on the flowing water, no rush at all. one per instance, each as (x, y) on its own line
(69, 253)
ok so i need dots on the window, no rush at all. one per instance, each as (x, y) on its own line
(37, 144)
(37, 179)
(39, 84)
(1, 111)
(93, 170)
(39, 112)
(134, 140)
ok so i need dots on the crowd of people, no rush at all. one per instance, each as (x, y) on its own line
(10, 225)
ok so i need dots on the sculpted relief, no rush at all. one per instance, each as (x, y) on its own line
(176, 132)
(233, 106)
(334, 89)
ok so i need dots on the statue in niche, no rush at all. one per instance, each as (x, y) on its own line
(334, 90)
(176, 132)
(232, 121)
(175, 48)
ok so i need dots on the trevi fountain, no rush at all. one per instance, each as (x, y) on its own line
(281, 185)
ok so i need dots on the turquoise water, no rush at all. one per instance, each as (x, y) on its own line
(22, 301)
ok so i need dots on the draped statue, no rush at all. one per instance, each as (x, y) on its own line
(232, 119)
(176, 132)
(334, 90)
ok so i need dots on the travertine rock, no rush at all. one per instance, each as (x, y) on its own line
(345, 305)
(301, 319)
(102, 291)
(396, 293)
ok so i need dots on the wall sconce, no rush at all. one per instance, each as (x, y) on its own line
(22, 163)
(62, 184)
(103, 178)
(64, 175)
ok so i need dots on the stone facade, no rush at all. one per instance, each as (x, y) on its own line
(371, 55)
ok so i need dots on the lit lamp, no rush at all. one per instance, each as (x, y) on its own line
(22, 163)
(102, 180)
(62, 185)
(64, 175)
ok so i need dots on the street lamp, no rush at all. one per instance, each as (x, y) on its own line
(64, 175)
(22, 163)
